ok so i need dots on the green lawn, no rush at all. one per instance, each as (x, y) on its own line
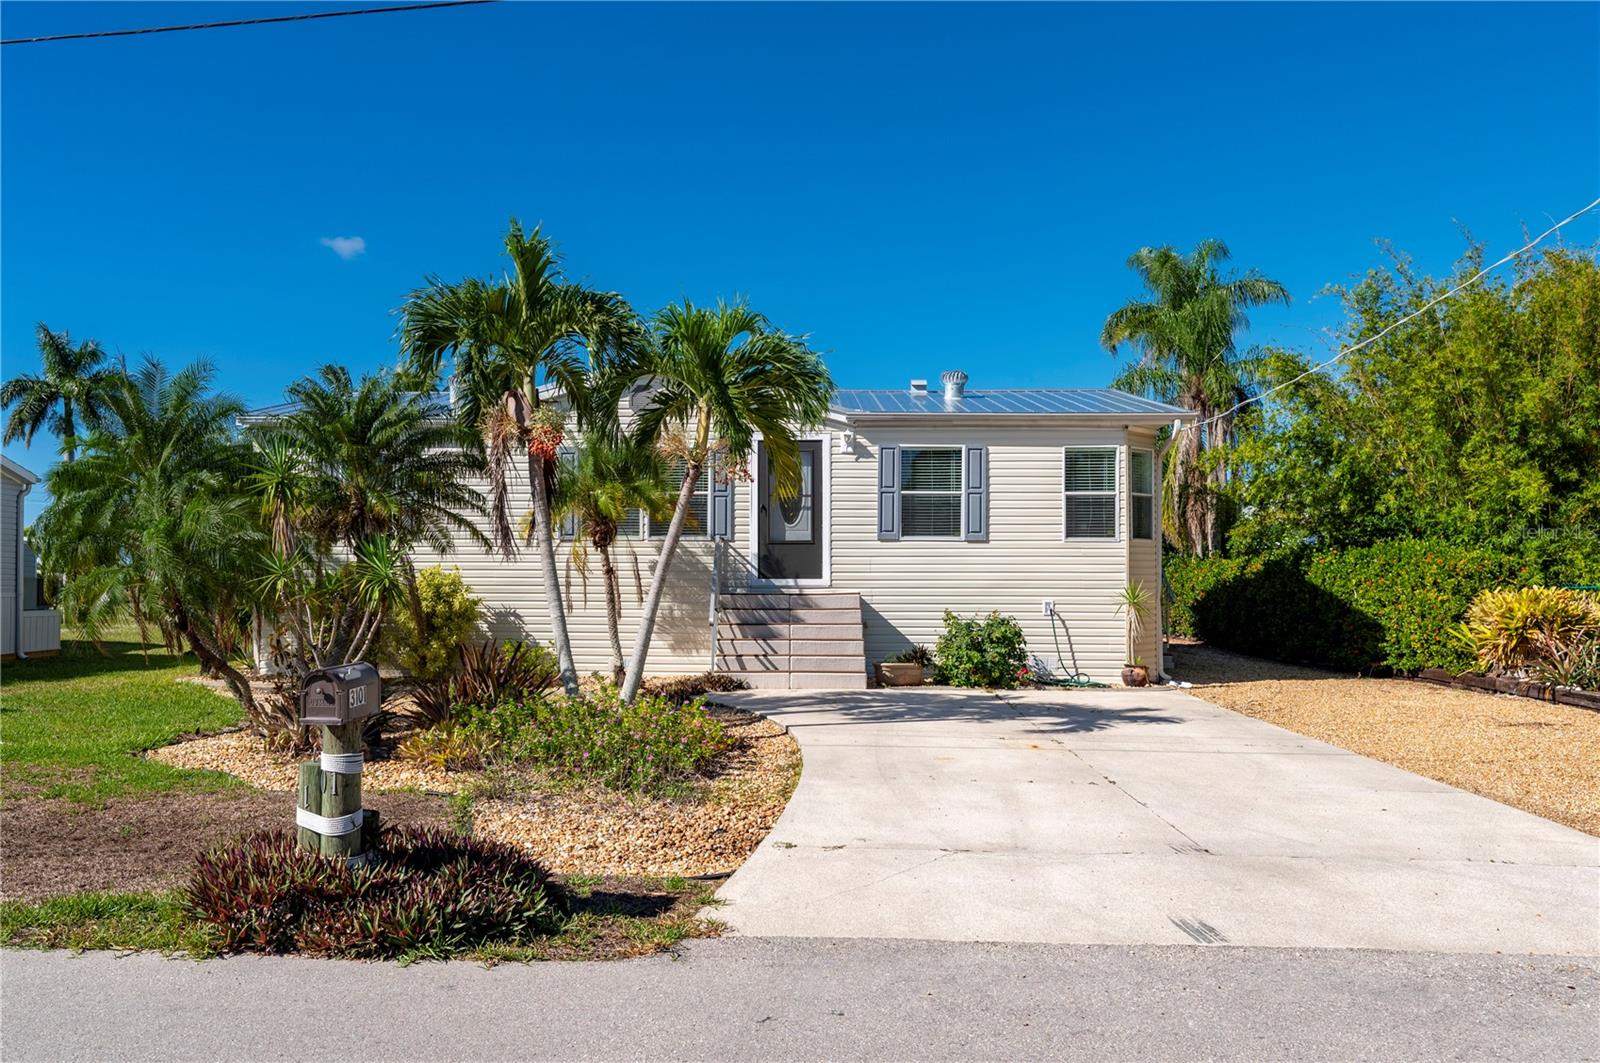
(72, 726)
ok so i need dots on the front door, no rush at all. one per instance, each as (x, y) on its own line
(789, 531)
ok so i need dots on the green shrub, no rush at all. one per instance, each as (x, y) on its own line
(1390, 605)
(1188, 580)
(429, 893)
(653, 746)
(450, 612)
(918, 654)
(990, 653)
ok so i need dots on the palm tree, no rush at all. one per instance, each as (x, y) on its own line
(722, 377)
(609, 484)
(506, 336)
(149, 523)
(72, 388)
(1185, 335)
(355, 463)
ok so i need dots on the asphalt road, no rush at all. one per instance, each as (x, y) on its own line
(798, 998)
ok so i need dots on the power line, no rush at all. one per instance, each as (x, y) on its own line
(245, 22)
(1424, 308)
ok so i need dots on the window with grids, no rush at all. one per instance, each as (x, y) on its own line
(930, 492)
(696, 525)
(1089, 488)
(1142, 474)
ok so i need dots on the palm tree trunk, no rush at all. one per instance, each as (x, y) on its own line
(547, 554)
(1191, 516)
(69, 428)
(608, 572)
(658, 581)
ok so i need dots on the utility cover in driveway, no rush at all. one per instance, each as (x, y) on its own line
(1127, 817)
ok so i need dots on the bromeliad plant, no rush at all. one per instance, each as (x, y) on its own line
(427, 894)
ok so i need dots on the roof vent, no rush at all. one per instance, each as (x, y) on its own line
(919, 387)
(955, 385)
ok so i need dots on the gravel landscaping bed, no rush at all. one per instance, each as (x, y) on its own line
(589, 831)
(1540, 757)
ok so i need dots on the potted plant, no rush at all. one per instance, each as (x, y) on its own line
(1134, 603)
(907, 668)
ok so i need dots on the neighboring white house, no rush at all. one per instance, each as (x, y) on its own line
(27, 628)
(1041, 503)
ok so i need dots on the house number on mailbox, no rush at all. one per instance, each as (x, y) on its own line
(358, 697)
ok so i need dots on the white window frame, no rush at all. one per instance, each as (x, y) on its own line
(1134, 495)
(1114, 494)
(960, 494)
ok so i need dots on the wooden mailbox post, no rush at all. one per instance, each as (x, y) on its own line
(329, 816)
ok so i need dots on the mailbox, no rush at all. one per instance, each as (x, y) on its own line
(343, 694)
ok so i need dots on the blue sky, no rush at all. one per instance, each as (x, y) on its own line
(917, 187)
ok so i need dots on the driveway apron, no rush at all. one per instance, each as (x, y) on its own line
(1139, 817)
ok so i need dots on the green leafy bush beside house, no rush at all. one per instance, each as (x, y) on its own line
(1392, 605)
(989, 652)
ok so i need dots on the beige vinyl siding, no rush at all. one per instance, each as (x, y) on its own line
(907, 585)
(515, 604)
(1144, 561)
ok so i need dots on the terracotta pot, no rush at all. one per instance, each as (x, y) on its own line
(900, 674)
(1135, 675)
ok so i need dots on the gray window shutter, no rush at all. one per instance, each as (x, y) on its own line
(977, 495)
(888, 492)
(721, 506)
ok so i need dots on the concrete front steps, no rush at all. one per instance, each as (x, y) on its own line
(792, 640)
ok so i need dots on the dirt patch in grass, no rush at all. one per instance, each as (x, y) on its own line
(709, 831)
(50, 847)
(1533, 755)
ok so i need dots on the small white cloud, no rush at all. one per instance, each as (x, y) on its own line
(346, 247)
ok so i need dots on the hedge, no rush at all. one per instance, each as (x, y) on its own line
(1389, 605)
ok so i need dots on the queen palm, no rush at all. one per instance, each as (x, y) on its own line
(1185, 333)
(70, 391)
(610, 485)
(722, 376)
(506, 337)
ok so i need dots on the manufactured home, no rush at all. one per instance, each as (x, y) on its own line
(1041, 503)
(28, 628)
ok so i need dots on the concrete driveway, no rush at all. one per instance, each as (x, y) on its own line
(1128, 817)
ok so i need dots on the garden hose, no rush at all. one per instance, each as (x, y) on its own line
(1076, 679)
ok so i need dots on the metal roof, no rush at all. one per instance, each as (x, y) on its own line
(1014, 402)
(1088, 402)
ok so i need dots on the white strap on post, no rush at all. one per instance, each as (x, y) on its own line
(330, 826)
(342, 763)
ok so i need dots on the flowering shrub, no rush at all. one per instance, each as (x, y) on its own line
(427, 892)
(990, 653)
